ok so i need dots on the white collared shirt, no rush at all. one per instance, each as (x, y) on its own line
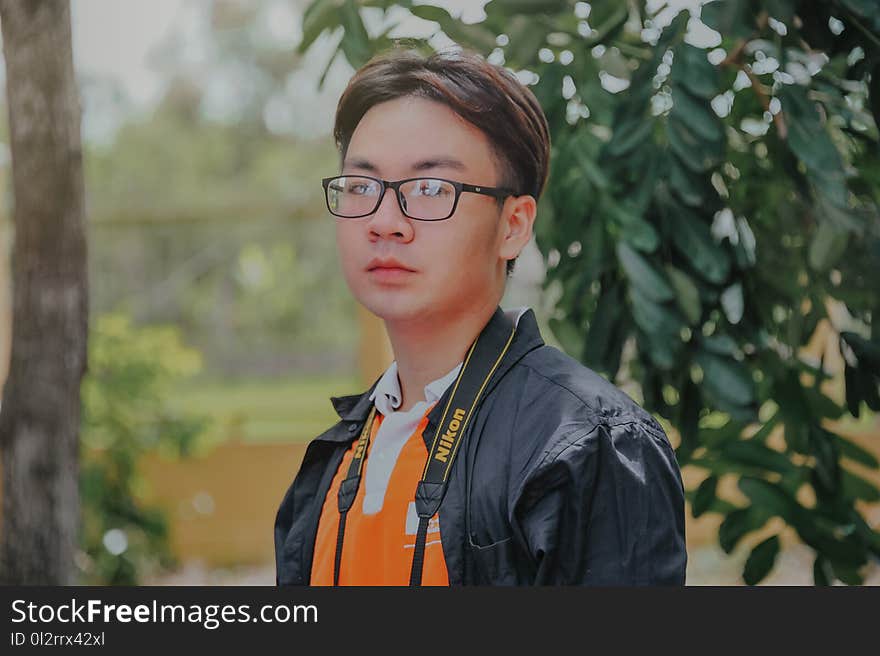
(397, 427)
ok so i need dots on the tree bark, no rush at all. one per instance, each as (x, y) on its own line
(40, 414)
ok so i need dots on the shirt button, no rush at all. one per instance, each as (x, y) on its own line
(352, 428)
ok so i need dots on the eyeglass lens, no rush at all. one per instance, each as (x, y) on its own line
(425, 198)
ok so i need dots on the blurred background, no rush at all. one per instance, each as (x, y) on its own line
(220, 324)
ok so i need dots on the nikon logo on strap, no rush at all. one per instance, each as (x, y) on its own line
(359, 451)
(447, 440)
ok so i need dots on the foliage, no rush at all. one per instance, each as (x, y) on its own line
(216, 222)
(159, 168)
(279, 410)
(710, 204)
(126, 413)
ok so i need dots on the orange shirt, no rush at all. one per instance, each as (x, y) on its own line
(378, 548)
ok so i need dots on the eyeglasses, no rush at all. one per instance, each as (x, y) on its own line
(425, 199)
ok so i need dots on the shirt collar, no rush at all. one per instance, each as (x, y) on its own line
(354, 407)
(387, 396)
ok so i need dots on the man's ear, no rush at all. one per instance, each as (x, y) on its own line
(517, 219)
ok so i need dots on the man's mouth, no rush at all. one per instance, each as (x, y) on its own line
(388, 265)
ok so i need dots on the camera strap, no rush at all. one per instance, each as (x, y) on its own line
(481, 361)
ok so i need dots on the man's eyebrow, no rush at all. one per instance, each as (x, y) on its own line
(439, 162)
(422, 165)
(359, 163)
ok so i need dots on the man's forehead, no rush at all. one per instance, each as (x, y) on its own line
(415, 163)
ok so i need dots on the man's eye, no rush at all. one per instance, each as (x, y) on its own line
(358, 188)
(430, 188)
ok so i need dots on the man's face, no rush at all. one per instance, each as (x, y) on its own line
(453, 266)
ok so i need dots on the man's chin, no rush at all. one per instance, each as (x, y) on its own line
(395, 309)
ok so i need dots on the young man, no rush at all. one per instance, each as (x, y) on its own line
(482, 455)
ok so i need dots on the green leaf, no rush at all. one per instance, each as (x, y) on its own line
(822, 405)
(796, 411)
(718, 506)
(660, 327)
(639, 233)
(867, 352)
(763, 433)
(319, 16)
(692, 188)
(781, 10)
(716, 437)
(862, 381)
(662, 351)
(809, 140)
(675, 29)
(431, 13)
(822, 573)
(853, 395)
(525, 40)
(696, 114)
(827, 458)
(827, 246)
(608, 19)
(692, 69)
(472, 35)
(813, 529)
(643, 275)
(603, 326)
(737, 524)
(543, 7)
(693, 240)
(327, 68)
(569, 336)
(732, 18)
(839, 215)
(686, 294)
(720, 344)
(705, 496)
(846, 573)
(629, 134)
(750, 452)
(861, 385)
(856, 487)
(856, 453)
(771, 498)
(726, 379)
(698, 154)
(356, 42)
(647, 174)
(866, 9)
(597, 256)
(833, 195)
(689, 407)
(761, 561)
(584, 150)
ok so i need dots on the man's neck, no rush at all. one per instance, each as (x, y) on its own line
(426, 351)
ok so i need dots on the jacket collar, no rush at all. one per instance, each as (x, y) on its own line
(527, 337)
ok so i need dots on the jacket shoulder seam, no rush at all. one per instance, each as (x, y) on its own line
(560, 385)
(589, 430)
(625, 416)
(628, 416)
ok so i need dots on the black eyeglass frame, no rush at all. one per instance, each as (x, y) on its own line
(495, 192)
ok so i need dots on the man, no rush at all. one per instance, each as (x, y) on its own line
(481, 456)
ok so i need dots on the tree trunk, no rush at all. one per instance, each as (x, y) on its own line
(40, 415)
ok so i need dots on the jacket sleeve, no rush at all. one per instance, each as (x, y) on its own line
(605, 507)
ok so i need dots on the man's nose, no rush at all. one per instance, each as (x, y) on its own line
(388, 217)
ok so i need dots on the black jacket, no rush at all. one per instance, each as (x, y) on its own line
(562, 479)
